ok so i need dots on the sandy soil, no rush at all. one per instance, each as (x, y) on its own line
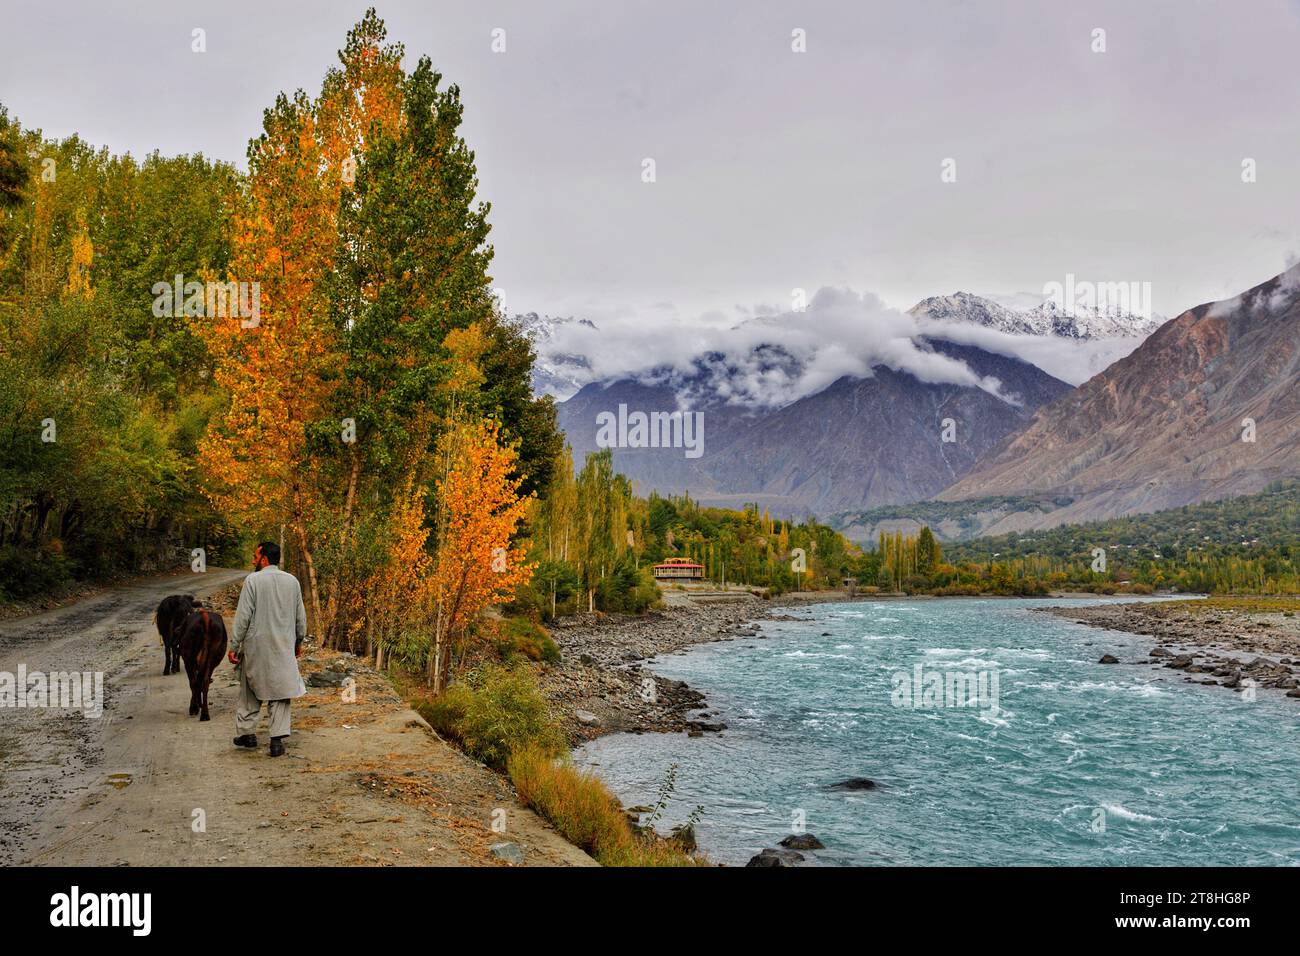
(363, 783)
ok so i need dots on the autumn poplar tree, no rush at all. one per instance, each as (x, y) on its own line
(477, 562)
(279, 371)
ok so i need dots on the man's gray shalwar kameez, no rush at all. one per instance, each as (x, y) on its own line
(269, 620)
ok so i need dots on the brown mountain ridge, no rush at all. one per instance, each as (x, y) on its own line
(1168, 425)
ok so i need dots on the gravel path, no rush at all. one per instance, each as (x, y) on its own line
(364, 782)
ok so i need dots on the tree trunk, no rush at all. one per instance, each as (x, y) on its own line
(304, 549)
(431, 669)
(335, 637)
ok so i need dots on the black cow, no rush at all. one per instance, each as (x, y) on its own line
(203, 645)
(171, 614)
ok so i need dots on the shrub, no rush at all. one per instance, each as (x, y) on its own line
(28, 573)
(627, 589)
(521, 636)
(501, 710)
(446, 713)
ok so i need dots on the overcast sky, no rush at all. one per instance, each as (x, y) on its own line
(775, 169)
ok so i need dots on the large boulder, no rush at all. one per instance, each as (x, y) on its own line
(771, 857)
(803, 841)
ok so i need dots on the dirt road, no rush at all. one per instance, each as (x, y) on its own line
(364, 781)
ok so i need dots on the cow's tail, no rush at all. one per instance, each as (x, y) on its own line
(207, 635)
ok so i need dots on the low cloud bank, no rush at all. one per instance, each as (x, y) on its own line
(778, 358)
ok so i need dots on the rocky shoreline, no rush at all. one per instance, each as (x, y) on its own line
(603, 685)
(1239, 645)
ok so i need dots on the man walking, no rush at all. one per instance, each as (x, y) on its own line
(270, 624)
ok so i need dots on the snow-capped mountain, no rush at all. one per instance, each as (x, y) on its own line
(965, 307)
(1091, 323)
(554, 373)
(1047, 318)
(863, 441)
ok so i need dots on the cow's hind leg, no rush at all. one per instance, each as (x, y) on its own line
(207, 684)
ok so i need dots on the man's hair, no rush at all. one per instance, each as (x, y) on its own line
(271, 551)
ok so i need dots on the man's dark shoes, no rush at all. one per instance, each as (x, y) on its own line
(246, 740)
(277, 746)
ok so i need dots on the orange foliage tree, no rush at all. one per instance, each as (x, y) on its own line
(280, 370)
(479, 509)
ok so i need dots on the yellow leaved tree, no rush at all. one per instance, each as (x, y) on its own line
(279, 368)
(479, 510)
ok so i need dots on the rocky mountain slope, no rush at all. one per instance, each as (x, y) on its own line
(859, 443)
(1206, 408)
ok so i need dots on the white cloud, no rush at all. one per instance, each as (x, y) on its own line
(777, 358)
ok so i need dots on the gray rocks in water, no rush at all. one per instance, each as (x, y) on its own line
(704, 725)
(1181, 662)
(1158, 651)
(512, 853)
(1108, 659)
(770, 857)
(803, 841)
(854, 783)
(586, 717)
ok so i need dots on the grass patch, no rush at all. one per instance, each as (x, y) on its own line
(587, 814)
(500, 717)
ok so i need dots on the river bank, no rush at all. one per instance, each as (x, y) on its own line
(1239, 643)
(603, 684)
